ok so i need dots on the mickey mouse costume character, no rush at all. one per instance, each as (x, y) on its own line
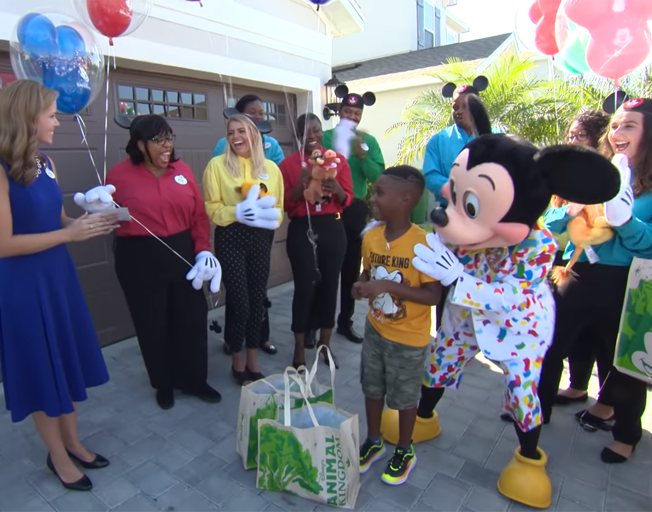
(363, 154)
(497, 265)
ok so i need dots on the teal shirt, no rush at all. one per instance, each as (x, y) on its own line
(362, 171)
(634, 239)
(271, 146)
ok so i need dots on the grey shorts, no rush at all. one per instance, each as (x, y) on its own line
(391, 370)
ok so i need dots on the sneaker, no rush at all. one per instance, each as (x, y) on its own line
(399, 467)
(370, 452)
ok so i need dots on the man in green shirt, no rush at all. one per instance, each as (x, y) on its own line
(366, 161)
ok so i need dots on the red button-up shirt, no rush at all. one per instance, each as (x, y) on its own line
(167, 205)
(291, 170)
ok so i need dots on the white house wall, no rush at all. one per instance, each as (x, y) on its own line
(283, 45)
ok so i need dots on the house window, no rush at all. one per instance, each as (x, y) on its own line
(451, 38)
(138, 101)
(275, 113)
(428, 21)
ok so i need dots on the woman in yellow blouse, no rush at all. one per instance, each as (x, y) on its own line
(244, 199)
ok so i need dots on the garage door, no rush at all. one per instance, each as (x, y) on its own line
(194, 110)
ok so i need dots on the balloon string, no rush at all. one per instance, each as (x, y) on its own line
(82, 129)
(106, 112)
(554, 91)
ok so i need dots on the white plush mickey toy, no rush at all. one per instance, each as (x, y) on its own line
(492, 249)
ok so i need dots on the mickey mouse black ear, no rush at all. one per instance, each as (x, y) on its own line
(122, 121)
(448, 90)
(369, 98)
(614, 101)
(228, 112)
(341, 91)
(481, 83)
(263, 127)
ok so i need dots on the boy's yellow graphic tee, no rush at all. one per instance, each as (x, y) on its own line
(396, 319)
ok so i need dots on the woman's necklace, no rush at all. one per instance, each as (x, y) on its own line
(39, 166)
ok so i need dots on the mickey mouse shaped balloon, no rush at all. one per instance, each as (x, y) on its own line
(494, 252)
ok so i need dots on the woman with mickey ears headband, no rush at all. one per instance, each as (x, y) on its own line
(243, 194)
(252, 106)
(365, 159)
(583, 302)
(169, 314)
(471, 120)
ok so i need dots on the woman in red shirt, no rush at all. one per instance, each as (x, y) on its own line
(168, 313)
(315, 268)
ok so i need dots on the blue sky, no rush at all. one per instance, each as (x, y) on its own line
(487, 17)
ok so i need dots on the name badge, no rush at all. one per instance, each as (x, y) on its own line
(364, 146)
(181, 180)
(264, 176)
(50, 173)
(591, 255)
(268, 145)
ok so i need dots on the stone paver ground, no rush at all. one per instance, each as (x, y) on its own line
(185, 459)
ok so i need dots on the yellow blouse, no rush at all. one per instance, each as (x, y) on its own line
(221, 189)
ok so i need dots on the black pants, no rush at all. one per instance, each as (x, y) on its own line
(168, 313)
(593, 304)
(439, 309)
(354, 218)
(244, 253)
(315, 296)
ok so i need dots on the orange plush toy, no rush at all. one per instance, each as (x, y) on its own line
(246, 186)
(324, 166)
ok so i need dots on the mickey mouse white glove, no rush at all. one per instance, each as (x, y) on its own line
(206, 268)
(437, 261)
(96, 200)
(258, 213)
(618, 211)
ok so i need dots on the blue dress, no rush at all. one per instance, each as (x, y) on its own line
(49, 351)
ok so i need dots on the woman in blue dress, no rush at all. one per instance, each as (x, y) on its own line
(49, 351)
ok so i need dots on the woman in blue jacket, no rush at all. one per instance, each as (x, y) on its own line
(252, 106)
(594, 300)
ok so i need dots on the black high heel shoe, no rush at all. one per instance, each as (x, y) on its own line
(98, 462)
(84, 484)
(325, 354)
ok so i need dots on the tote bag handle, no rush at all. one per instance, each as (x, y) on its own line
(287, 409)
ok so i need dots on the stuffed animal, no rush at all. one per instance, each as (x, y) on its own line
(494, 253)
(246, 186)
(590, 227)
(324, 166)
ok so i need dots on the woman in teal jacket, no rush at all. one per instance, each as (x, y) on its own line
(594, 300)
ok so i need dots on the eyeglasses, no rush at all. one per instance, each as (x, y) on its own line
(161, 141)
(580, 136)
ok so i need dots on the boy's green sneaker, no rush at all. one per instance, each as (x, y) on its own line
(399, 467)
(370, 452)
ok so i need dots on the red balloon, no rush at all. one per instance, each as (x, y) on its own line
(545, 38)
(618, 47)
(534, 12)
(592, 13)
(110, 17)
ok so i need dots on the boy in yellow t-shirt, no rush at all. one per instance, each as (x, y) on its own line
(397, 331)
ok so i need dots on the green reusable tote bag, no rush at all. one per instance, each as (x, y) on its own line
(314, 453)
(263, 398)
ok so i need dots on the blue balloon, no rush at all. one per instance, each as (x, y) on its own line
(72, 84)
(71, 43)
(37, 35)
(319, 2)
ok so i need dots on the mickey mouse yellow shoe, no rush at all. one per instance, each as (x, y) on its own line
(425, 429)
(526, 481)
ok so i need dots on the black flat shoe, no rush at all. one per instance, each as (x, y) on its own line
(507, 417)
(205, 393)
(298, 364)
(242, 378)
(254, 376)
(608, 456)
(591, 423)
(165, 399)
(98, 462)
(350, 334)
(84, 484)
(325, 358)
(565, 400)
(269, 348)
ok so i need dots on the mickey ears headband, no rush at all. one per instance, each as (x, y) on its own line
(264, 127)
(620, 98)
(450, 90)
(354, 100)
